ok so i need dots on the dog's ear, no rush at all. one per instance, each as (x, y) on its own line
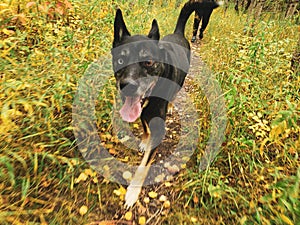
(154, 32)
(120, 29)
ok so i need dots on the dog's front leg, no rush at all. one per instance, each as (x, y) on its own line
(154, 134)
(135, 186)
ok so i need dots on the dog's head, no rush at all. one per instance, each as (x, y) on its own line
(136, 66)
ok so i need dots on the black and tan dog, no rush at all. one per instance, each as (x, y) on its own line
(149, 72)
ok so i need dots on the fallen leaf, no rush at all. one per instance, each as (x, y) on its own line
(112, 151)
(167, 204)
(82, 177)
(128, 216)
(146, 200)
(194, 219)
(120, 192)
(95, 180)
(8, 32)
(142, 220)
(83, 210)
(168, 184)
(152, 194)
(90, 172)
(163, 198)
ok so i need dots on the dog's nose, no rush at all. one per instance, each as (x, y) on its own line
(128, 89)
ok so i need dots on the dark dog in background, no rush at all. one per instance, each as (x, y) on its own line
(201, 14)
(149, 72)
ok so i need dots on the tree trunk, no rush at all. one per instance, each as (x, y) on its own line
(225, 7)
(292, 8)
(236, 6)
(247, 5)
(258, 8)
(295, 62)
(252, 6)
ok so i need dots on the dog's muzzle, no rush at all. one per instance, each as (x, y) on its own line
(128, 89)
(133, 100)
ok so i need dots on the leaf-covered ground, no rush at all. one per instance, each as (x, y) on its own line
(45, 49)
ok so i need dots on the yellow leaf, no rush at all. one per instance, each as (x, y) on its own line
(83, 210)
(252, 204)
(82, 177)
(152, 194)
(89, 172)
(286, 219)
(8, 32)
(128, 215)
(120, 192)
(146, 200)
(4, 11)
(3, 5)
(167, 204)
(163, 198)
(243, 220)
(7, 122)
(106, 136)
(256, 118)
(142, 220)
(261, 148)
(259, 115)
(112, 151)
(194, 219)
(109, 146)
(168, 184)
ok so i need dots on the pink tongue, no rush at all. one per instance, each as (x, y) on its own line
(131, 110)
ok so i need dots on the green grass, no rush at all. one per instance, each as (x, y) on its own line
(255, 178)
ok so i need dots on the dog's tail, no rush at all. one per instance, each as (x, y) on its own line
(189, 8)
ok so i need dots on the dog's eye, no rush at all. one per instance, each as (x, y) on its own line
(149, 63)
(120, 61)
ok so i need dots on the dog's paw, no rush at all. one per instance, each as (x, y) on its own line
(143, 146)
(132, 195)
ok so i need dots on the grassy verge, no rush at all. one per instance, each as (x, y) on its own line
(45, 50)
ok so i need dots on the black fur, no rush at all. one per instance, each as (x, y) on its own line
(154, 69)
